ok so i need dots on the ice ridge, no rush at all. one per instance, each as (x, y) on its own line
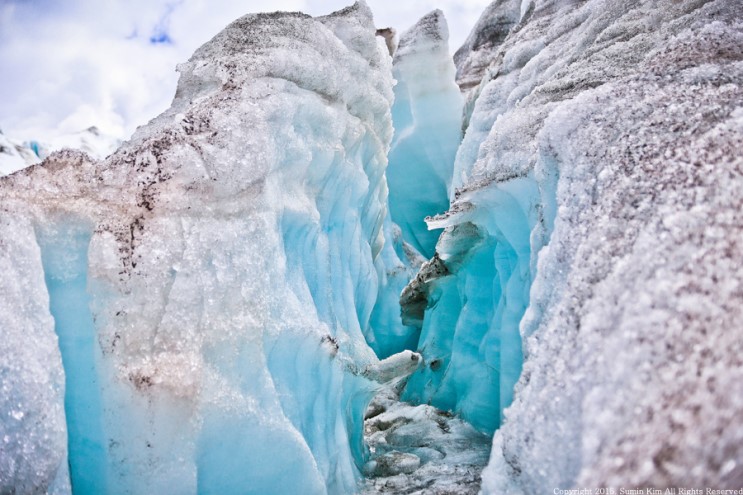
(210, 283)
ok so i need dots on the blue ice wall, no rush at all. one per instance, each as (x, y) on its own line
(420, 149)
(474, 303)
(426, 117)
(396, 265)
(64, 250)
(427, 120)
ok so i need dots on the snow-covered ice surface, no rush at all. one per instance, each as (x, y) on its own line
(480, 48)
(94, 142)
(602, 161)
(14, 156)
(211, 281)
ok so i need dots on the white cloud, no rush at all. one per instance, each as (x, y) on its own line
(87, 62)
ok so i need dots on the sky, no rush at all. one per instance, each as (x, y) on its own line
(68, 65)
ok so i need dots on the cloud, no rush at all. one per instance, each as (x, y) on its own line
(70, 65)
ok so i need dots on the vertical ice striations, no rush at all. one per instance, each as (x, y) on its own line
(599, 160)
(397, 264)
(426, 118)
(33, 434)
(426, 115)
(212, 280)
(469, 298)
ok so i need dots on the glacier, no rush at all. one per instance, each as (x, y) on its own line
(598, 184)
(344, 262)
(16, 155)
(426, 116)
(209, 283)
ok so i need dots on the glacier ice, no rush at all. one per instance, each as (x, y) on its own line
(184, 372)
(396, 265)
(426, 115)
(14, 156)
(211, 308)
(598, 183)
(469, 300)
(33, 432)
(93, 141)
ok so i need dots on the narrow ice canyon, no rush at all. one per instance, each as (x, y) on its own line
(346, 262)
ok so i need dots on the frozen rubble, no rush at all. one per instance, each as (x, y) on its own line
(595, 220)
(420, 449)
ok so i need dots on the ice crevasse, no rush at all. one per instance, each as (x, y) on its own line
(204, 310)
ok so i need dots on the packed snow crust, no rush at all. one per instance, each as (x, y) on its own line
(596, 214)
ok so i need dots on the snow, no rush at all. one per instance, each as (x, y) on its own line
(14, 156)
(92, 141)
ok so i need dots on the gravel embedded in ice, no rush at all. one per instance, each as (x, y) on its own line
(420, 449)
